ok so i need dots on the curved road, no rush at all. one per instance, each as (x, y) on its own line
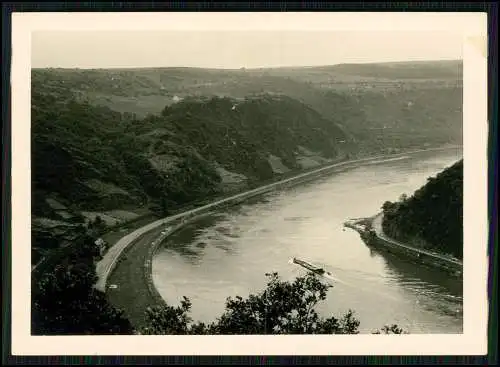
(108, 262)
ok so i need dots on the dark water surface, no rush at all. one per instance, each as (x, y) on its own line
(228, 253)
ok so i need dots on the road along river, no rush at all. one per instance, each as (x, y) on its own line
(229, 252)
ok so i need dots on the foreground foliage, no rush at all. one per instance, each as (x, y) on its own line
(65, 302)
(281, 308)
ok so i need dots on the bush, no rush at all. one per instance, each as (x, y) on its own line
(66, 303)
(282, 308)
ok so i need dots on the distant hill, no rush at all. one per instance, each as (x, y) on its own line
(378, 104)
(440, 70)
(433, 216)
(392, 104)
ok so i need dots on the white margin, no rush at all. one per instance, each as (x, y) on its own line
(474, 339)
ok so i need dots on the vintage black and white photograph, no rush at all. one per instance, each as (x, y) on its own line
(247, 182)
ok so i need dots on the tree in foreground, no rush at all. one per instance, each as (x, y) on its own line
(65, 301)
(282, 308)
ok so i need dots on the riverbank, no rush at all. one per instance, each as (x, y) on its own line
(132, 274)
(370, 230)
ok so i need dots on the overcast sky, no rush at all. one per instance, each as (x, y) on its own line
(230, 49)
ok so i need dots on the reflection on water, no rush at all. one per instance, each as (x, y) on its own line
(428, 285)
(229, 253)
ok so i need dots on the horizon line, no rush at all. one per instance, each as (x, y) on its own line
(251, 68)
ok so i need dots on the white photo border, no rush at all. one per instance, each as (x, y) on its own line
(473, 341)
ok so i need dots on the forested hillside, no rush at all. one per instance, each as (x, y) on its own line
(433, 216)
(90, 161)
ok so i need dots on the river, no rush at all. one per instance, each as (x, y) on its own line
(229, 252)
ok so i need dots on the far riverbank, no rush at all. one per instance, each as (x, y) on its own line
(370, 230)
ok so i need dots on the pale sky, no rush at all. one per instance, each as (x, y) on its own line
(236, 49)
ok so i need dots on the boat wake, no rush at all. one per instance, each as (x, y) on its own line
(329, 276)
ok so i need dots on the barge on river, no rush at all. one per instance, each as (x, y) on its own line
(315, 269)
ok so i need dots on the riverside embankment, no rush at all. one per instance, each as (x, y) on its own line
(128, 264)
(372, 233)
